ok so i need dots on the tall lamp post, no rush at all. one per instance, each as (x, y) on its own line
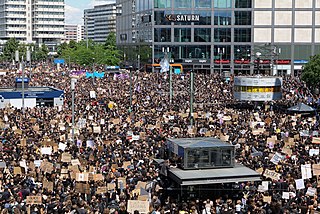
(170, 73)
(258, 54)
(220, 52)
(191, 97)
(130, 69)
(21, 66)
(73, 83)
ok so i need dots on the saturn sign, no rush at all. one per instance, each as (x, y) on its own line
(183, 17)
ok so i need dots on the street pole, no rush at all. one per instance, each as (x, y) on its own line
(86, 21)
(130, 68)
(191, 98)
(170, 83)
(72, 107)
(22, 67)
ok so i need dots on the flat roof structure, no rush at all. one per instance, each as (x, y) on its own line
(201, 142)
(34, 92)
(238, 173)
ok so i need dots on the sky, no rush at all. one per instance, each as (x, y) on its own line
(74, 9)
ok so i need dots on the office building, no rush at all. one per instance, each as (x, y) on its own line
(73, 32)
(32, 21)
(100, 21)
(237, 36)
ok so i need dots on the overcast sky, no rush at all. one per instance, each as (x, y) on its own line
(74, 9)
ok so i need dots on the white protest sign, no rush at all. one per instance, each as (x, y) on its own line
(271, 174)
(135, 137)
(313, 152)
(285, 195)
(299, 184)
(62, 146)
(276, 158)
(37, 163)
(46, 150)
(306, 171)
(311, 191)
(92, 94)
(141, 206)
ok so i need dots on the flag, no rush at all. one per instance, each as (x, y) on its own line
(89, 75)
(98, 75)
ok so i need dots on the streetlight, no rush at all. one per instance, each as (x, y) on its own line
(130, 69)
(86, 25)
(191, 97)
(258, 54)
(220, 52)
(170, 71)
(73, 83)
(21, 65)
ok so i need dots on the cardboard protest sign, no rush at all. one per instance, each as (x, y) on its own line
(47, 185)
(143, 197)
(316, 169)
(82, 176)
(271, 174)
(34, 200)
(75, 162)
(17, 170)
(101, 190)
(82, 188)
(267, 199)
(98, 177)
(141, 184)
(126, 164)
(141, 206)
(316, 140)
(306, 171)
(23, 142)
(46, 167)
(66, 157)
(111, 186)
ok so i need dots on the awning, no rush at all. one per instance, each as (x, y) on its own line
(220, 181)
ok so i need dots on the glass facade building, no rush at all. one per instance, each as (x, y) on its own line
(225, 35)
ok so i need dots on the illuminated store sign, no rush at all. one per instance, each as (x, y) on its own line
(183, 18)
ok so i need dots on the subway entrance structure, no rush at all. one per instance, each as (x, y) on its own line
(207, 166)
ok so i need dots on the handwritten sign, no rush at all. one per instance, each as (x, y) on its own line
(141, 206)
(316, 169)
(34, 200)
(316, 140)
(82, 176)
(271, 174)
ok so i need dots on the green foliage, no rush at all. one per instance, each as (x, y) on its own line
(311, 71)
(78, 53)
(10, 48)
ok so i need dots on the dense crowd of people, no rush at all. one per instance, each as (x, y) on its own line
(111, 160)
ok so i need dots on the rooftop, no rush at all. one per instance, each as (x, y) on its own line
(207, 142)
(29, 89)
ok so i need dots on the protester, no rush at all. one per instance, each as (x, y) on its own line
(120, 141)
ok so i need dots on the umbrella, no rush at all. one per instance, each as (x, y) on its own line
(301, 107)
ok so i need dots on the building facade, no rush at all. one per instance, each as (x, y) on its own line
(32, 21)
(73, 32)
(100, 21)
(237, 36)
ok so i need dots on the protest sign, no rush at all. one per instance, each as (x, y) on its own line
(75, 162)
(47, 185)
(3, 164)
(299, 184)
(276, 158)
(316, 169)
(306, 171)
(111, 186)
(271, 174)
(102, 190)
(62, 146)
(82, 176)
(46, 150)
(98, 177)
(34, 200)
(141, 206)
(313, 152)
(66, 157)
(17, 171)
(311, 191)
(285, 195)
(267, 199)
(316, 140)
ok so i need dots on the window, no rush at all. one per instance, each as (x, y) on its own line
(202, 35)
(243, 3)
(160, 19)
(242, 35)
(182, 4)
(182, 35)
(162, 3)
(205, 18)
(222, 52)
(222, 17)
(222, 35)
(222, 3)
(162, 35)
(242, 17)
(202, 3)
(191, 52)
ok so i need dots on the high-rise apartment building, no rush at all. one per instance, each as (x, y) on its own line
(100, 21)
(247, 36)
(73, 32)
(32, 21)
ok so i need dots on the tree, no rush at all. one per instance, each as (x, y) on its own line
(111, 40)
(10, 48)
(311, 72)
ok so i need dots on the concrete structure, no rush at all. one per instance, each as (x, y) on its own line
(224, 35)
(73, 33)
(32, 21)
(100, 21)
